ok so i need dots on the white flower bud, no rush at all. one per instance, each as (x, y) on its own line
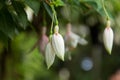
(43, 41)
(58, 43)
(49, 55)
(108, 39)
(73, 39)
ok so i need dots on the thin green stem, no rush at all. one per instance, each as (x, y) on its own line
(55, 15)
(52, 26)
(105, 10)
(51, 32)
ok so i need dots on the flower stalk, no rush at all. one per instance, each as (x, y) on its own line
(56, 43)
(105, 10)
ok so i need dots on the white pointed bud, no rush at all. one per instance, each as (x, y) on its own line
(49, 55)
(108, 38)
(58, 43)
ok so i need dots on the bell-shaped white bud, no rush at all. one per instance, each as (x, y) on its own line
(108, 39)
(73, 39)
(58, 43)
(49, 55)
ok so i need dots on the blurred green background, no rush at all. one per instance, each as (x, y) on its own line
(20, 57)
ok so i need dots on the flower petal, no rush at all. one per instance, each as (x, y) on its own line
(82, 41)
(58, 45)
(108, 39)
(42, 44)
(49, 55)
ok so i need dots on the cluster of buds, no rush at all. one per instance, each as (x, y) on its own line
(108, 37)
(55, 47)
(56, 44)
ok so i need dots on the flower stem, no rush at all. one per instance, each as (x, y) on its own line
(105, 10)
(51, 32)
(55, 15)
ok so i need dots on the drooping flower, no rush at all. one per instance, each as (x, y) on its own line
(108, 38)
(43, 41)
(72, 39)
(58, 43)
(49, 55)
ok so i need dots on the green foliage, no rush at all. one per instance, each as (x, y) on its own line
(3, 39)
(58, 3)
(96, 4)
(29, 65)
(13, 17)
(48, 9)
(7, 25)
(33, 4)
(20, 14)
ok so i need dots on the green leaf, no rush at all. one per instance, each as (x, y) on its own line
(3, 39)
(7, 25)
(58, 3)
(73, 2)
(48, 9)
(21, 14)
(1, 6)
(96, 4)
(34, 5)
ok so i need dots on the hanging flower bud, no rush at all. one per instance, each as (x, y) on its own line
(73, 39)
(49, 55)
(108, 38)
(58, 43)
(43, 41)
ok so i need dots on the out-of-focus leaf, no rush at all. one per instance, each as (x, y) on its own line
(58, 3)
(48, 9)
(33, 4)
(21, 15)
(96, 4)
(3, 39)
(74, 2)
(1, 6)
(7, 25)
